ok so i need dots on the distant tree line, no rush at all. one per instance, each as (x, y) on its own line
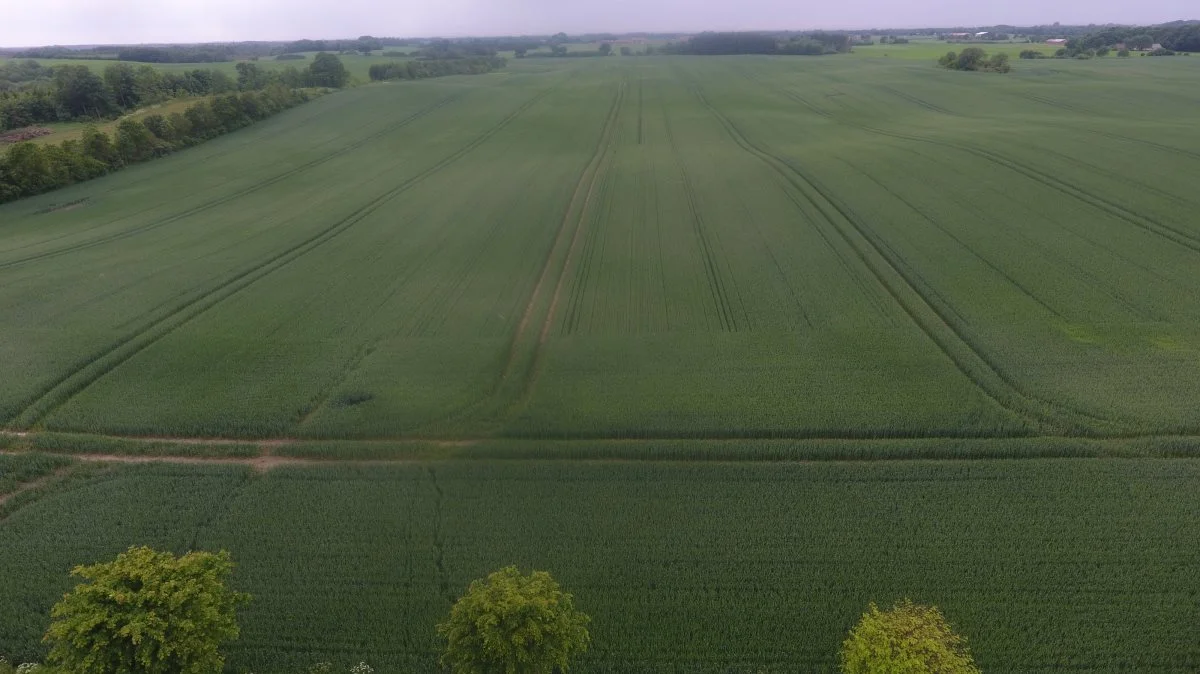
(421, 69)
(1180, 37)
(70, 92)
(212, 54)
(366, 43)
(719, 44)
(28, 169)
(203, 53)
(561, 51)
(473, 48)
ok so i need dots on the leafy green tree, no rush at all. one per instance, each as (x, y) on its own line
(250, 76)
(149, 85)
(909, 639)
(30, 169)
(1123, 53)
(148, 612)
(135, 142)
(201, 122)
(971, 58)
(1140, 42)
(96, 144)
(327, 70)
(161, 128)
(605, 49)
(81, 92)
(514, 624)
(122, 82)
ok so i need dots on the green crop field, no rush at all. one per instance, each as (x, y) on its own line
(930, 50)
(711, 261)
(758, 567)
(636, 248)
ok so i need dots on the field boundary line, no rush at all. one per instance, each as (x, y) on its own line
(268, 444)
(117, 236)
(924, 312)
(686, 450)
(260, 464)
(72, 383)
(31, 485)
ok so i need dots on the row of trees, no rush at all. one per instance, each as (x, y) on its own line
(28, 169)
(70, 92)
(1183, 37)
(155, 613)
(976, 59)
(421, 69)
(718, 44)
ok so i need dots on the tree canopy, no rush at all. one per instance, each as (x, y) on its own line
(327, 70)
(148, 612)
(514, 624)
(908, 639)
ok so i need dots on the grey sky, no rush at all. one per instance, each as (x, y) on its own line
(25, 23)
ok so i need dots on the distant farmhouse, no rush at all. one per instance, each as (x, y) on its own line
(1057, 42)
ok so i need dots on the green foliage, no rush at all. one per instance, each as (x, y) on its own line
(82, 93)
(22, 469)
(976, 59)
(30, 169)
(149, 612)
(326, 70)
(514, 624)
(416, 70)
(908, 639)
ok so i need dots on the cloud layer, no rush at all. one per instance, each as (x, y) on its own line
(140, 21)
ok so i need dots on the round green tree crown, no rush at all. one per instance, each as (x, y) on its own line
(909, 639)
(513, 624)
(148, 612)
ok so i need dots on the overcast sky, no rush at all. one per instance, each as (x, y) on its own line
(45, 22)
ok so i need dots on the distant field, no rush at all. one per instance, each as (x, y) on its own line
(74, 130)
(931, 50)
(709, 248)
(711, 289)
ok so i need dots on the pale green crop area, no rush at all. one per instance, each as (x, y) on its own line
(652, 247)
